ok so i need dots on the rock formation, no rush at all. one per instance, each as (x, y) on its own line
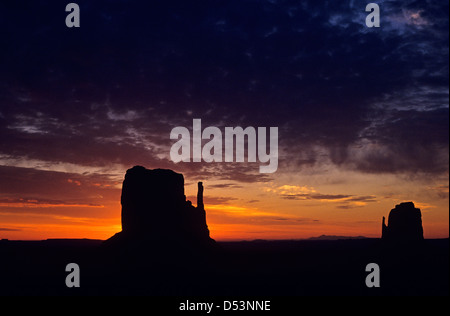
(155, 210)
(404, 223)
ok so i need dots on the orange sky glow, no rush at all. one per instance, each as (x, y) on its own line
(284, 208)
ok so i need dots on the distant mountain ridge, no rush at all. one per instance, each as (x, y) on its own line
(333, 237)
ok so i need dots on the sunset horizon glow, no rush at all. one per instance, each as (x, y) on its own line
(272, 212)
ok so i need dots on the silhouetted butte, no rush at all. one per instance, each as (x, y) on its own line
(155, 209)
(404, 223)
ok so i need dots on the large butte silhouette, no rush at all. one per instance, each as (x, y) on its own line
(404, 223)
(155, 210)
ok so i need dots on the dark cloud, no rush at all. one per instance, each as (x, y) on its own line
(39, 187)
(307, 196)
(345, 201)
(240, 172)
(348, 206)
(225, 186)
(2, 229)
(214, 200)
(369, 198)
(111, 91)
(441, 191)
(405, 141)
(32, 201)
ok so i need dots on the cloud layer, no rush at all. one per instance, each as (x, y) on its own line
(112, 90)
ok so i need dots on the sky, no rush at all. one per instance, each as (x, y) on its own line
(362, 113)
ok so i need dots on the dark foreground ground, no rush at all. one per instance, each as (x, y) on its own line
(258, 268)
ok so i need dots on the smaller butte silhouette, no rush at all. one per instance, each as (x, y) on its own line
(404, 223)
(155, 210)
